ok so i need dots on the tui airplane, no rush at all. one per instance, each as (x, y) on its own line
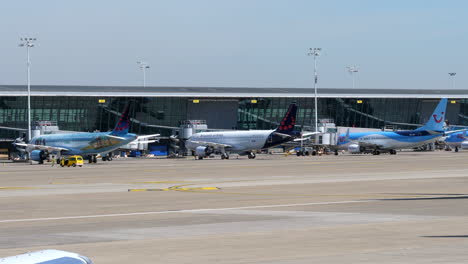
(377, 142)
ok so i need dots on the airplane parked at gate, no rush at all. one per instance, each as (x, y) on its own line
(84, 144)
(49, 256)
(203, 144)
(458, 140)
(377, 142)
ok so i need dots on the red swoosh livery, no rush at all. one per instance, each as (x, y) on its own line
(438, 120)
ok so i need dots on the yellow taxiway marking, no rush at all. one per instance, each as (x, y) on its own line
(144, 190)
(18, 188)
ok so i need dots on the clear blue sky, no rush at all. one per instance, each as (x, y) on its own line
(253, 43)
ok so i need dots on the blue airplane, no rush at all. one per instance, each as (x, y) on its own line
(84, 144)
(378, 142)
(48, 256)
(458, 140)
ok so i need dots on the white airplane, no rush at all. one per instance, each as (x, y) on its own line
(49, 256)
(203, 144)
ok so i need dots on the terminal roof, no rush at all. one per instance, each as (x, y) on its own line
(181, 91)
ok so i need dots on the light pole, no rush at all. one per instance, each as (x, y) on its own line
(452, 79)
(315, 52)
(28, 43)
(143, 66)
(352, 70)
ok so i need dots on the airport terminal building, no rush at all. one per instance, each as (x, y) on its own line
(160, 109)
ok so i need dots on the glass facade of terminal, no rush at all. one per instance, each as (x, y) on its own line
(158, 114)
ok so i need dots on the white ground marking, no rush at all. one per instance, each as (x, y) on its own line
(173, 211)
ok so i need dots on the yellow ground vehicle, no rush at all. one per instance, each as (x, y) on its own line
(72, 161)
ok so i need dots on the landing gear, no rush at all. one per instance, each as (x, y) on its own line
(251, 155)
(200, 157)
(224, 156)
(336, 152)
(375, 152)
(456, 149)
(92, 159)
(392, 152)
(107, 158)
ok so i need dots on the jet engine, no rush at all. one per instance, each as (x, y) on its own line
(39, 156)
(464, 144)
(355, 148)
(202, 151)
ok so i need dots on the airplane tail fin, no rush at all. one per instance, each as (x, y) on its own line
(124, 123)
(436, 120)
(289, 120)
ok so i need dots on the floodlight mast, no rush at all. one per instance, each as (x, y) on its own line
(452, 79)
(143, 66)
(315, 52)
(28, 43)
(352, 70)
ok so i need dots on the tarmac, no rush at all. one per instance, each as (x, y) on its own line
(405, 208)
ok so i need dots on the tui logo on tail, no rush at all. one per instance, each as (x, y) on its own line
(289, 120)
(438, 120)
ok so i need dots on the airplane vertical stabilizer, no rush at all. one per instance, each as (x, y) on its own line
(436, 120)
(289, 120)
(124, 123)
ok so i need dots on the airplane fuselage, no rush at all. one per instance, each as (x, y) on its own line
(389, 140)
(240, 141)
(84, 143)
(457, 140)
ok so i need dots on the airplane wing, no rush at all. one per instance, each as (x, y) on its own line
(148, 136)
(454, 131)
(300, 139)
(212, 144)
(145, 141)
(308, 134)
(367, 144)
(30, 147)
(115, 137)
